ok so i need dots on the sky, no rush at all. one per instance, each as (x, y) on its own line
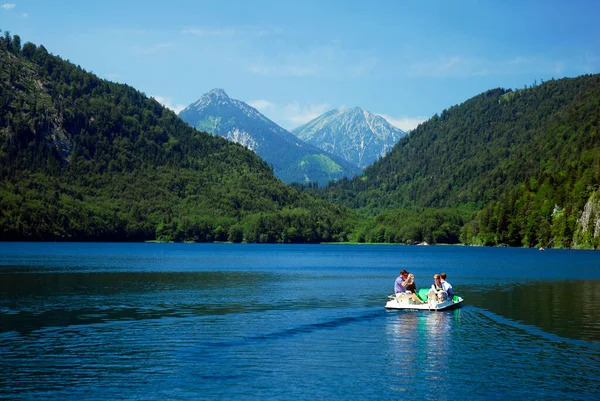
(294, 60)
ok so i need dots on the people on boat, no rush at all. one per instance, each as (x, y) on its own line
(404, 280)
(437, 288)
(412, 287)
(446, 285)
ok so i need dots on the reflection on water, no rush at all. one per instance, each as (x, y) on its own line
(461, 354)
(419, 344)
(569, 309)
(34, 301)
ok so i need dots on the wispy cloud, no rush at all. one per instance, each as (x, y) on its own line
(24, 15)
(327, 60)
(590, 63)
(295, 64)
(300, 114)
(404, 123)
(291, 115)
(450, 67)
(151, 49)
(8, 6)
(464, 67)
(131, 31)
(296, 114)
(112, 77)
(209, 32)
(262, 105)
(168, 103)
(362, 67)
(245, 30)
(284, 70)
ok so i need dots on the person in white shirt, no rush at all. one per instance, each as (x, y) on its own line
(437, 289)
(446, 285)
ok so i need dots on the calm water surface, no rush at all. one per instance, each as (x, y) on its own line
(301, 322)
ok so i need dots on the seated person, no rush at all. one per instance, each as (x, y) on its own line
(446, 285)
(438, 289)
(403, 281)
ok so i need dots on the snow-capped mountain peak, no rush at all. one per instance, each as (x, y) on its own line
(293, 159)
(356, 135)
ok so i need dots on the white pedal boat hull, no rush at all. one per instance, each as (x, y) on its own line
(404, 301)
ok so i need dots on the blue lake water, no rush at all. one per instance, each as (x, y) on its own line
(301, 322)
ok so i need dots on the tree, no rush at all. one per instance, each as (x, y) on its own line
(29, 50)
(16, 44)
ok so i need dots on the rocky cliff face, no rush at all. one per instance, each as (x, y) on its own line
(356, 135)
(587, 232)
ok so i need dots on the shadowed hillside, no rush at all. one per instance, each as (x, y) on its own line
(82, 158)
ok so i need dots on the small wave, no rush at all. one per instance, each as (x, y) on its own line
(532, 330)
(302, 329)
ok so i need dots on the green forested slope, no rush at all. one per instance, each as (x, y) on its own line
(524, 157)
(547, 206)
(85, 159)
(82, 158)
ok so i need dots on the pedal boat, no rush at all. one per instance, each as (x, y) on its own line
(405, 301)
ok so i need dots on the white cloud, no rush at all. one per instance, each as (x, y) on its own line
(362, 67)
(450, 67)
(295, 114)
(8, 6)
(292, 115)
(151, 49)
(464, 67)
(246, 30)
(404, 123)
(112, 77)
(262, 105)
(24, 15)
(284, 70)
(209, 32)
(328, 60)
(129, 32)
(167, 102)
(590, 63)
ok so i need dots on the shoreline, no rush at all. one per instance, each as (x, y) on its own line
(306, 243)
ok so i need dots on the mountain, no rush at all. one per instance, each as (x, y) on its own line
(84, 159)
(526, 161)
(292, 159)
(356, 135)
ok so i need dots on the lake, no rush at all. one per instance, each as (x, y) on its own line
(294, 322)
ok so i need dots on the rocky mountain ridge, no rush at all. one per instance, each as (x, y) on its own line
(292, 159)
(357, 135)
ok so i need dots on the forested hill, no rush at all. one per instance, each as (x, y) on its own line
(475, 151)
(82, 158)
(530, 157)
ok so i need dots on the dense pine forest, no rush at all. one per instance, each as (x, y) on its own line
(82, 158)
(85, 159)
(518, 168)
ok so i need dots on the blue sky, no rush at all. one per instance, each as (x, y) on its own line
(293, 60)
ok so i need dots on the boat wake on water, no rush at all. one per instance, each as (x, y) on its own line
(300, 330)
(532, 330)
